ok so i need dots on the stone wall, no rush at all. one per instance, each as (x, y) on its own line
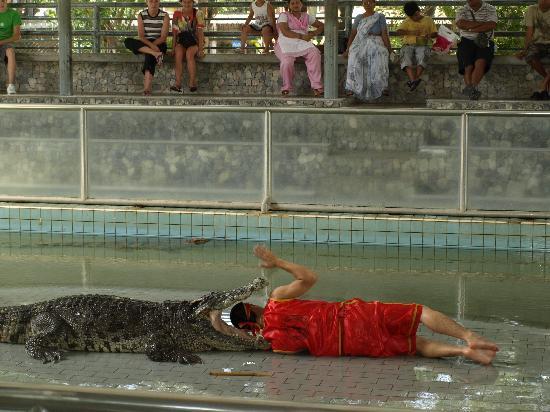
(258, 75)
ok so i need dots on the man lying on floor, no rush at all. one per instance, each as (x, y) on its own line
(350, 328)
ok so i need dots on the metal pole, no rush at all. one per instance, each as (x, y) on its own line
(65, 47)
(463, 182)
(348, 19)
(83, 156)
(97, 28)
(461, 298)
(266, 202)
(331, 49)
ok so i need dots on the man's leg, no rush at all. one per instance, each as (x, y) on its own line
(10, 54)
(433, 349)
(439, 323)
(537, 65)
(478, 72)
(410, 73)
(468, 70)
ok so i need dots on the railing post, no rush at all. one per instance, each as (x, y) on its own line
(266, 202)
(463, 182)
(331, 49)
(65, 47)
(348, 19)
(96, 29)
(83, 155)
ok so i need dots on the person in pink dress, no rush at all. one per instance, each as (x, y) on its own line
(295, 41)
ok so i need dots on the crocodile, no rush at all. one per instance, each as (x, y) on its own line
(169, 331)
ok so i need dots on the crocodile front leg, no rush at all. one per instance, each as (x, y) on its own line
(47, 332)
(224, 299)
(160, 347)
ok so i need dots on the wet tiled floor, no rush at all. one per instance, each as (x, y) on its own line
(519, 380)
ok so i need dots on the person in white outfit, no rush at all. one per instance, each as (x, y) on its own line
(264, 23)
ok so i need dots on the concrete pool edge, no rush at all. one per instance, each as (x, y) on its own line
(364, 229)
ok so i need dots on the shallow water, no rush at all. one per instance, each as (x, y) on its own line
(505, 286)
(502, 295)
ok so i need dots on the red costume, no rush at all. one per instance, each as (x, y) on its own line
(350, 328)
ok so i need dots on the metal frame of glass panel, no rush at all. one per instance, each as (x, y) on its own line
(265, 201)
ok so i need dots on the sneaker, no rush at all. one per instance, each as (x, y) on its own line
(11, 89)
(415, 84)
(467, 90)
(474, 94)
(540, 95)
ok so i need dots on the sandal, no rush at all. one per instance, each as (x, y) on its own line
(192, 88)
(147, 92)
(176, 89)
(318, 92)
(285, 92)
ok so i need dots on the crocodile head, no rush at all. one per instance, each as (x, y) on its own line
(220, 300)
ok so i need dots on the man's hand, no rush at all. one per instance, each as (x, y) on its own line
(268, 258)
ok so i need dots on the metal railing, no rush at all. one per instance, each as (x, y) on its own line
(304, 160)
(100, 27)
(58, 398)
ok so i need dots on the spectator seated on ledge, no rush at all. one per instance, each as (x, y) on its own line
(188, 43)
(417, 31)
(264, 24)
(352, 327)
(368, 52)
(153, 27)
(10, 32)
(476, 21)
(537, 44)
(295, 41)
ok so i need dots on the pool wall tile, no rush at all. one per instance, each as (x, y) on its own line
(406, 230)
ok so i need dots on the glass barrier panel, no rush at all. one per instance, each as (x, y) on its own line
(175, 155)
(509, 162)
(380, 160)
(40, 152)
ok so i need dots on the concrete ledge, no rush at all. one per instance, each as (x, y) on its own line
(523, 105)
(174, 100)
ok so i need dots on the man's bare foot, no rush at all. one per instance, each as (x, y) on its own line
(476, 341)
(483, 356)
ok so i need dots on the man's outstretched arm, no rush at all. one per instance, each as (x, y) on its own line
(304, 278)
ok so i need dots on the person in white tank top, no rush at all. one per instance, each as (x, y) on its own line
(264, 23)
